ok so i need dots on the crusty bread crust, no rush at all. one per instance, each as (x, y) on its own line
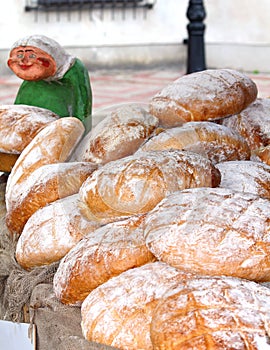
(206, 95)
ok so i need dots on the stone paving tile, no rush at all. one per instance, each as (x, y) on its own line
(115, 87)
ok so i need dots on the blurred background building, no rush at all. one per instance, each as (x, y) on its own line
(125, 33)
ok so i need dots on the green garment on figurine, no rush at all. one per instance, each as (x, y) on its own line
(69, 96)
(52, 78)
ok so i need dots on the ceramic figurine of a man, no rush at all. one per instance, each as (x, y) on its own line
(53, 79)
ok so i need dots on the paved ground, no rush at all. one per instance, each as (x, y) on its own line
(116, 87)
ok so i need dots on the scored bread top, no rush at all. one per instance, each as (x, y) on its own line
(212, 313)
(206, 95)
(212, 231)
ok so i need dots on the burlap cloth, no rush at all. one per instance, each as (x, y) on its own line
(29, 297)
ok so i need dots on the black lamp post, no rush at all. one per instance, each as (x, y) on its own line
(196, 52)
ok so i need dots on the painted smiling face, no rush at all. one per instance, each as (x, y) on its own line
(31, 63)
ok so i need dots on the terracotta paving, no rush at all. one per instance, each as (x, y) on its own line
(124, 86)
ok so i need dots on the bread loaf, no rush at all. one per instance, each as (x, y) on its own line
(135, 184)
(44, 185)
(53, 144)
(215, 313)
(212, 231)
(51, 232)
(253, 123)
(246, 176)
(19, 124)
(119, 312)
(118, 135)
(216, 142)
(102, 254)
(207, 95)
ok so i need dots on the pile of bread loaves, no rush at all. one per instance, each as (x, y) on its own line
(159, 216)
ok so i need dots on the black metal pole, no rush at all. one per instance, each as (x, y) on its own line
(196, 28)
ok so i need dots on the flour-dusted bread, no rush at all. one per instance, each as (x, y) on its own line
(118, 135)
(44, 185)
(253, 123)
(53, 144)
(102, 254)
(135, 184)
(246, 176)
(207, 95)
(214, 313)
(119, 312)
(19, 124)
(212, 231)
(51, 232)
(216, 142)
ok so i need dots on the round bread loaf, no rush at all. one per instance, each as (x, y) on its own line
(135, 184)
(261, 154)
(207, 95)
(118, 135)
(212, 231)
(102, 254)
(19, 124)
(253, 123)
(215, 313)
(119, 312)
(246, 176)
(51, 232)
(43, 186)
(216, 142)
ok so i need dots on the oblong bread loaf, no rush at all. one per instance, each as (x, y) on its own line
(51, 232)
(135, 184)
(207, 95)
(119, 312)
(212, 231)
(253, 123)
(53, 144)
(101, 255)
(44, 185)
(216, 142)
(246, 176)
(19, 124)
(213, 313)
(118, 135)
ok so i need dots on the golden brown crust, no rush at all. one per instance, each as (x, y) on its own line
(214, 313)
(19, 124)
(51, 232)
(43, 186)
(216, 142)
(212, 231)
(119, 312)
(252, 123)
(118, 135)
(206, 95)
(134, 185)
(7, 161)
(53, 144)
(101, 255)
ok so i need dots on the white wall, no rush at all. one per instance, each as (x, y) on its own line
(235, 30)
